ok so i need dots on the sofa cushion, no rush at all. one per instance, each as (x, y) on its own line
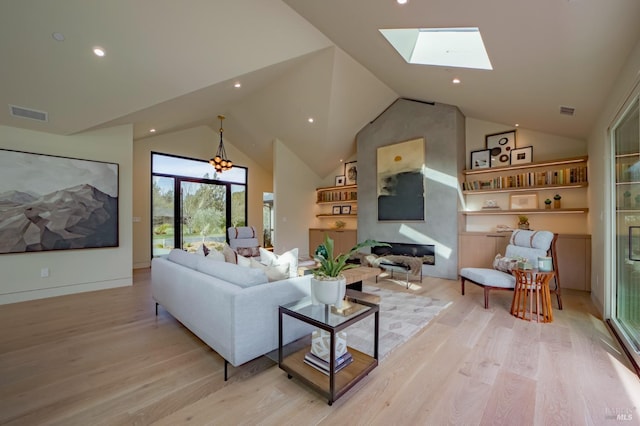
(248, 251)
(242, 277)
(489, 277)
(245, 262)
(288, 258)
(202, 250)
(183, 258)
(274, 273)
(229, 254)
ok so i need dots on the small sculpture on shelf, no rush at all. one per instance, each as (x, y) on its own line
(556, 201)
(547, 204)
(523, 222)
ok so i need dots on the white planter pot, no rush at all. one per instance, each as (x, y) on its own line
(329, 291)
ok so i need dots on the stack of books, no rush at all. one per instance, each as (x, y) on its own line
(323, 366)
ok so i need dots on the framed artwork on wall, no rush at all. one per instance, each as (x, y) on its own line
(523, 201)
(336, 210)
(400, 181)
(500, 145)
(480, 159)
(346, 210)
(340, 180)
(56, 203)
(351, 173)
(522, 155)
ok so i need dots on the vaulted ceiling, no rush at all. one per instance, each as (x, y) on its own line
(173, 65)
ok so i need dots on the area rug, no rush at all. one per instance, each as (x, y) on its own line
(401, 316)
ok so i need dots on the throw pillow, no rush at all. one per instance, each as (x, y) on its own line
(504, 264)
(216, 256)
(202, 250)
(274, 273)
(229, 254)
(271, 259)
(248, 251)
(243, 261)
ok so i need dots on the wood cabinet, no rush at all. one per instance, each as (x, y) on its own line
(343, 239)
(477, 250)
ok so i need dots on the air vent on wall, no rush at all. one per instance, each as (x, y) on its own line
(31, 114)
(565, 110)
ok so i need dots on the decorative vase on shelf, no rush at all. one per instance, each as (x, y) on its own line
(556, 201)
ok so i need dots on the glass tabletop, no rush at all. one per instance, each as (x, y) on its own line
(324, 313)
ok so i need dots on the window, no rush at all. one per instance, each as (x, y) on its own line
(191, 204)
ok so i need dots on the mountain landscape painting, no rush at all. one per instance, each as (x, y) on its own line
(56, 203)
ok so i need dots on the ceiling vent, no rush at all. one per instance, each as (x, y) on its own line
(31, 114)
(565, 110)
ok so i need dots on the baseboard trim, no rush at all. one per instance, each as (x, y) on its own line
(24, 296)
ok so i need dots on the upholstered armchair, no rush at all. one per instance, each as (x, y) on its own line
(244, 241)
(523, 244)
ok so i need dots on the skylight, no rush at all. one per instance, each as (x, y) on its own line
(446, 47)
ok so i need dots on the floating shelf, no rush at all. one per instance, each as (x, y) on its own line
(527, 188)
(520, 212)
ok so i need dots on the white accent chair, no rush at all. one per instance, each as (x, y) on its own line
(244, 240)
(528, 244)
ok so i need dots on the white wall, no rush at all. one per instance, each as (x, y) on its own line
(197, 142)
(600, 182)
(73, 271)
(545, 147)
(294, 200)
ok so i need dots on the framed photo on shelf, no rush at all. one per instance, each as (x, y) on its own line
(522, 155)
(480, 159)
(523, 201)
(336, 210)
(500, 145)
(340, 180)
(351, 172)
(345, 210)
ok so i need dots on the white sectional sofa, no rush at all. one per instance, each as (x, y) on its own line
(233, 309)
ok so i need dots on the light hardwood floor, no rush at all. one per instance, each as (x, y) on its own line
(105, 358)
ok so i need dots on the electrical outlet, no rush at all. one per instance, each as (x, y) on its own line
(44, 272)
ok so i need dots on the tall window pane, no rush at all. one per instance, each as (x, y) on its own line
(162, 214)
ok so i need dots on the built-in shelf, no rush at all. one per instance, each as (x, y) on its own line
(338, 215)
(527, 188)
(562, 162)
(491, 212)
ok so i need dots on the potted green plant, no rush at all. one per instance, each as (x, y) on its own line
(556, 201)
(328, 285)
(547, 203)
(523, 222)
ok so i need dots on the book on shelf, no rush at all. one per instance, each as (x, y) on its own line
(323, 366)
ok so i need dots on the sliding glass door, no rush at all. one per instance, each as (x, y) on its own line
(626, 297)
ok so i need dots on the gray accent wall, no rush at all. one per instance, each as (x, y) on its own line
(443, 129)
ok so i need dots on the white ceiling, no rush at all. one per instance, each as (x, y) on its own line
(171, 65)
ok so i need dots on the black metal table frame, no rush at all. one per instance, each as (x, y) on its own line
(374, 310)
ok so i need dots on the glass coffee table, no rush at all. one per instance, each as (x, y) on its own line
(332, 384)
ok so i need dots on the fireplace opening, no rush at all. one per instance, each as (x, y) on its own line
(425, 251)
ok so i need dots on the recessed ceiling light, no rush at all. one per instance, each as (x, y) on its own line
(402, 1)
(237, 85)
(58, 36)
(447, 47)
(456, 81)
(517, 125)
(99, 51)
(152, 130)
(310, 119)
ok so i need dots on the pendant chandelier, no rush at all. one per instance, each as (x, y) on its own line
(220, 162)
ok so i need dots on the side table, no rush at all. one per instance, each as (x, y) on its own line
(531, 295)
(334, 384)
